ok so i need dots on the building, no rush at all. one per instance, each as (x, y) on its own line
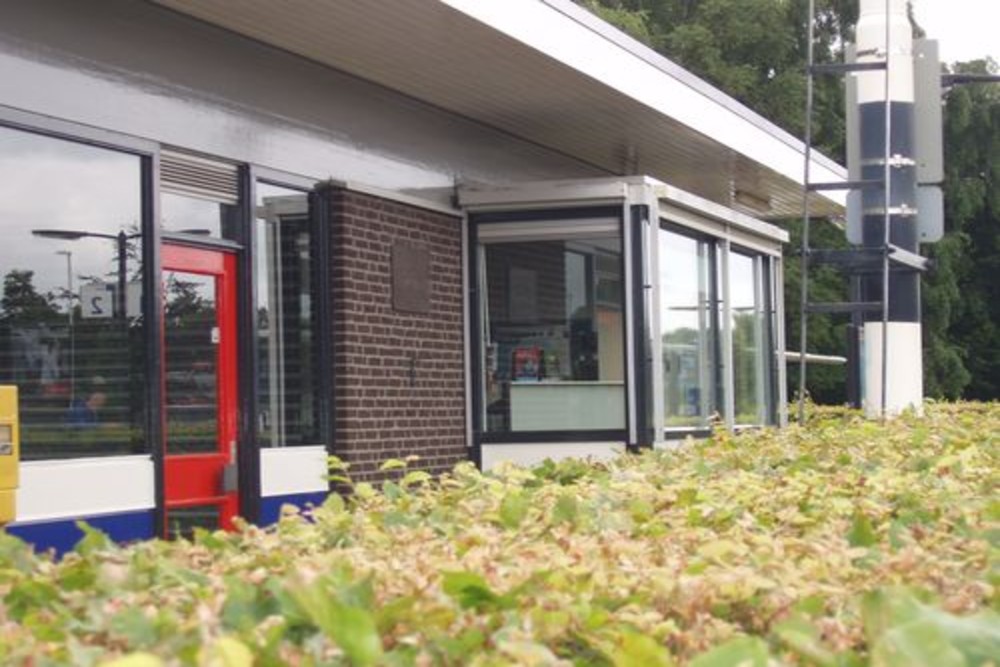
(241, 236)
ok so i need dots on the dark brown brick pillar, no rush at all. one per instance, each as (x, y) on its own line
(398, 358)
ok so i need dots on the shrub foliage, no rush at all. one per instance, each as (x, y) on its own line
(842, 543)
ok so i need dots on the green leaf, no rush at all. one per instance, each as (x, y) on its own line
(246, 604)
(16, 554)
(29, 595)
(93, 540)
(470, 590)
(76, 576)
(415, 477)
(226, 652)
(467, 643)
(803, 638)
(392, 464)
(132, 625)
(352, 628)
(138, 659)
(884, 609)
(740, 651)
(916, 644)
(566, 510)
(638, 650)
(976, 636)
(513, 509)
(861, 534)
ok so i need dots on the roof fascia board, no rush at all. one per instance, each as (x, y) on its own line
(654, 82)
(670, 68)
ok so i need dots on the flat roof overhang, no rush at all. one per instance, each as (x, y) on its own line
(549, 72)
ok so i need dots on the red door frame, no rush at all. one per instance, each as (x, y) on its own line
(197, 479)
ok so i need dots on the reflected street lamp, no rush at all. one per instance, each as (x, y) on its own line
(121, 240)
(68, 254)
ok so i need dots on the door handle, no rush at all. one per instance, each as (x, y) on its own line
(230, 473)
(230, 478)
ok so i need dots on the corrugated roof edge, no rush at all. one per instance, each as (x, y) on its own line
(582, 16)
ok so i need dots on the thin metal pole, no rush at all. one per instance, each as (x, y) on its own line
(887, 200)
(68, 254)
(122, 244)
(804, 249)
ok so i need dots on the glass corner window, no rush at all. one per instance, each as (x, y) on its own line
(552, 324)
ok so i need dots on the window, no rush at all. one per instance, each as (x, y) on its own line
(288, 405)
(552, 324)
(688, 329)
(71, 328)
(194, 215)
(748, 326)
(695, 330)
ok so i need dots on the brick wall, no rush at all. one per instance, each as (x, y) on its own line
(398, 376)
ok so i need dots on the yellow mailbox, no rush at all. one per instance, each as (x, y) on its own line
(10, 454)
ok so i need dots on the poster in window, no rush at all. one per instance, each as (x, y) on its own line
(527, 364)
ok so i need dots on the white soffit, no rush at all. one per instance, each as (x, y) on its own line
(548, 72)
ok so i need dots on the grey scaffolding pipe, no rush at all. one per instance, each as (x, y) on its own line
(805, 307)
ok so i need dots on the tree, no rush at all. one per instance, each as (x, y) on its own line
(755, 50)
(962, 295)
(21, 303)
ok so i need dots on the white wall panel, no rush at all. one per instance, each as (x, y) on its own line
(289, 470)
(84, 487)
(532, 454)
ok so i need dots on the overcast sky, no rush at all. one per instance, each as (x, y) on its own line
(965, 29)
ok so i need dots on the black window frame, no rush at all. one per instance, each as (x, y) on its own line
(769, 372)
(148, 152)
(250, 468)
(481, 437)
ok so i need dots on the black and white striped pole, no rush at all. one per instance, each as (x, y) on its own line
(892, 368)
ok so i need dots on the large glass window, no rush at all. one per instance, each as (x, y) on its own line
(749, 352)
(286, 282)
(688, 330)
(553, 328)
(71, 328)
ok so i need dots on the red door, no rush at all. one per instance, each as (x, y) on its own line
(200, 401)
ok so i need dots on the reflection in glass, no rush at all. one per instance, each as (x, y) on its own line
(286, 280)
(71, 215)
(748, 341)
(191, 336)
(688, 330)
(553, 335)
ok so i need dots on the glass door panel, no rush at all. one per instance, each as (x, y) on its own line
(688, 330)
(747, 321)
(191, 333)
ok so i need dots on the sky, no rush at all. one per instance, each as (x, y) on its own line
(965, 29)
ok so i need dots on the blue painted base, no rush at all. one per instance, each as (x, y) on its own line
(63, 534)
(270, 506)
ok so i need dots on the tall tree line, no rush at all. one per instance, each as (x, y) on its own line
(755, 50)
